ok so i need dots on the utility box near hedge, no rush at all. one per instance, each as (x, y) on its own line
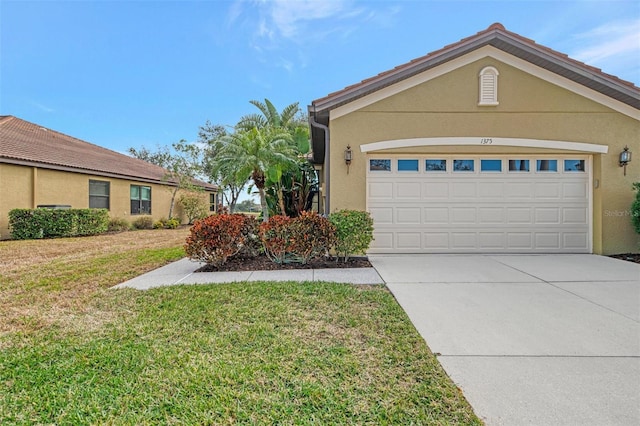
(61, 221)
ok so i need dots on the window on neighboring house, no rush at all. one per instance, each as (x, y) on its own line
(488, 86)
(140, 199)
(212, 202)
(98, 194)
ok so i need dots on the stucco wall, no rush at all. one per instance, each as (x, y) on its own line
(58, 187)
(529, 107)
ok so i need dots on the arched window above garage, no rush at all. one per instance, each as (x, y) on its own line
(488, 86)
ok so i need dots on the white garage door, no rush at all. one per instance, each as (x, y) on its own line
(465, 204)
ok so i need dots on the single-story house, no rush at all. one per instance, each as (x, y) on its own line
(493, 144)
(40, 167)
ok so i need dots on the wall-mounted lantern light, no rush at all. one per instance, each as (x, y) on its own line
(348, 155)
(625, 158)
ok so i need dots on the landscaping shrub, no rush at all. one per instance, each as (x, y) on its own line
(54, 223)
(118, 224)
(166, 223)
(216, 238)
(297, 239)
(250, 230)
(91, 221)
(143, 222)
(635, 208)
(354, 232)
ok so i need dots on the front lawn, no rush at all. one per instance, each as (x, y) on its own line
(260, 353)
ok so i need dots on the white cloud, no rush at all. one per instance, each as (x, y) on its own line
(608, 40)
(42, 107)
(615, 47)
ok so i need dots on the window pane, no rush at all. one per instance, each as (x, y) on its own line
(97, 187)
(145, 193)
(490, 165)
(135, 206)
(145, 207)
(380, 165)
(574, 165)
(408, 165)
(99, 203)
(135, 192)
(436, 165)
(547, 165)
(463, 165)
(518, 165)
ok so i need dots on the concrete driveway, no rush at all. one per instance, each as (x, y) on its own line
(530, 339)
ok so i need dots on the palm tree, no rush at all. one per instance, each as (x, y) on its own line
(250, 154)
(270, 117)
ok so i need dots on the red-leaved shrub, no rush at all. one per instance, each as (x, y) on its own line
(217, 237)
(297, 240)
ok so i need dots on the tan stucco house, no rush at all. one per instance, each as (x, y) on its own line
(494, 144)
(40, 167)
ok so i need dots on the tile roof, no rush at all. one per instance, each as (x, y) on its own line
(22, 142)
(497, 36)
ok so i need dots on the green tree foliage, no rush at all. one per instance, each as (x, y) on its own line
(635, 208)
(193, 205)
(250, 154)
(210, 139)
(182, 165)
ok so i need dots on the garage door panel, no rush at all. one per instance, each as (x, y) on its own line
(574, 190)
(490, 215)
(519, 215)
(491, 240)
(574, 215)
(435, 190)
(408, 190)
(382, 215)
(519, 241)
(497, 212)
(463, 190)
(547, 190)
(436, 240)
(408, 215)
(488, 190)
(547, 215)
(463, 215)
(380, 190)
(436, 215)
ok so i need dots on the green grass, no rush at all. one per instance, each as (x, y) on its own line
(261, 353)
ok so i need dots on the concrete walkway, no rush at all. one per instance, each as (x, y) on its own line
(183, 272)
(530, 339)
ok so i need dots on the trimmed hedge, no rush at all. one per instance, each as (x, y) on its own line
(26, 224)
(354, 232)
(298, 239)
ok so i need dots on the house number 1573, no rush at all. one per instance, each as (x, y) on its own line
(486, 141)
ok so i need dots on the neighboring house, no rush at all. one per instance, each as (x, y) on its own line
(494, 144)
(41, 167)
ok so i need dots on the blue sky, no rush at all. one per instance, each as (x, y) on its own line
(146, 73)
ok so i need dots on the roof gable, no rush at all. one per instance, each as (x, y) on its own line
(506, 46)
(22, 142)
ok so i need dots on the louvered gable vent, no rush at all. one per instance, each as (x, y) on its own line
(488, 86)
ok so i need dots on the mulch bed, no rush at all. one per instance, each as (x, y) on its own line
(262, 263)
(630, 257)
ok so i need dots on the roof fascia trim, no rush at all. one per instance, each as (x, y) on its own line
(26, 163)
(476, 55)
(484, 141)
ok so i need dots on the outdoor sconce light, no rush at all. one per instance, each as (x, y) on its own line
(625, 158)
(348, 154)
